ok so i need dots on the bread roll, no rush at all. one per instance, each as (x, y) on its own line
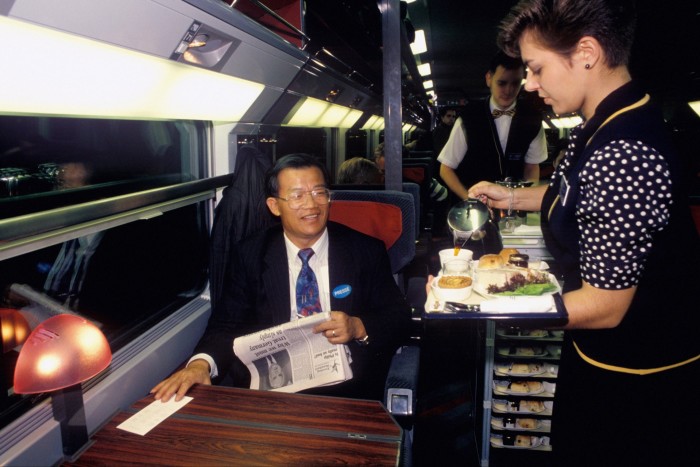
(519, 387)
(520, 368)
(524, 387)
(525, 351)
(523, 441)
(527, 423)
(506, 252)
(491, 262)
(531, 406)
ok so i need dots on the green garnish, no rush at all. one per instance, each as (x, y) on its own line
(531, 289)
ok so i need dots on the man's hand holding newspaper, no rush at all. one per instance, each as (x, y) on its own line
(291, 358)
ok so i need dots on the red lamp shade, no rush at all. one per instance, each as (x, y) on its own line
(62, 351)
(15, 328)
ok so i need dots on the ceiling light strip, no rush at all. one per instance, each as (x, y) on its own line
(50, 72)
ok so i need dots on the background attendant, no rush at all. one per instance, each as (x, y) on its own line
(497, 137)
(260, 290)
(616, 220)
(441, 132)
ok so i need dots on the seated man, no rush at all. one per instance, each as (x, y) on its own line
(373, 320)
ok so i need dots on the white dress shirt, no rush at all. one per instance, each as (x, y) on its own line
(318, 262)
(456, 147)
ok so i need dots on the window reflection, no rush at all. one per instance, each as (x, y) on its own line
(124, 279)
(42, 156)
(279, 141)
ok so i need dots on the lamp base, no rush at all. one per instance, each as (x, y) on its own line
(69, 411)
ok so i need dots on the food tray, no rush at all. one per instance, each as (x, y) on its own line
(539, 443)
(530, 369)
(522, 406)
(435, 310)
(521, 424)
(535, 388)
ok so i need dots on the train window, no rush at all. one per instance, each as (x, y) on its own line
(355, 143)
(48, 162)
(278, 141)
(124, 275)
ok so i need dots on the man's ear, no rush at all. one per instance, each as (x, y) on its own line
(488, 77)
(273, 206)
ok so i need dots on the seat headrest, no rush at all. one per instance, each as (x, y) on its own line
(378, 220)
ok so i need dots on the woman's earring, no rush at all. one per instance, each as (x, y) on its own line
(588, 66)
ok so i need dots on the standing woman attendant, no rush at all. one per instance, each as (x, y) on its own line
(616, 219)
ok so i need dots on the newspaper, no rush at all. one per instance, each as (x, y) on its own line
(291, 358)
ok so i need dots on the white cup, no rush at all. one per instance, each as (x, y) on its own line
(456, 266)
(449, 255)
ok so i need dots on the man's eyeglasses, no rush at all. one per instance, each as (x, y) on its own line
(296, 199)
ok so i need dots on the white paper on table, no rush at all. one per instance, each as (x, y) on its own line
(150, 416)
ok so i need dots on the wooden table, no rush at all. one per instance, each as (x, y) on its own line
(229, 426)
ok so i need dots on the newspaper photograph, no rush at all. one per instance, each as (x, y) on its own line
(291, 358)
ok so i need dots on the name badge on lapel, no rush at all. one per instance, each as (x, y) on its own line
(342, 291)
(563, 190)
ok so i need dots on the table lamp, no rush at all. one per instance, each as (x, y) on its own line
(15, 330)
(57, 357)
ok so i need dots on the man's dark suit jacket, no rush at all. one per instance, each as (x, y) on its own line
(257, 297)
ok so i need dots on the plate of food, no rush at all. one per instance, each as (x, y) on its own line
(494, 283)
(518, 441)
(521, 351)
(515, 424)
(520, 406)
(518, 387)
(519, 369)
(517, 333)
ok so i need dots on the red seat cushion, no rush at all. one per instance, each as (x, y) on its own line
(695, 210)
(379, 220)
(414, 174)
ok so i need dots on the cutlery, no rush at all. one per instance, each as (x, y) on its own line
(456, 307)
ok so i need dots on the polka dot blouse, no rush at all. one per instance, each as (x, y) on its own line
(625, 197)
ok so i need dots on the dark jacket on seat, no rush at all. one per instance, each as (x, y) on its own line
(241, 211)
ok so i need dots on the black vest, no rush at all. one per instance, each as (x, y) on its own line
(485, 160)
(660, 327)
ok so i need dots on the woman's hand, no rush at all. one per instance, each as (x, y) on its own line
(491, 194)
(428, 284)
(500, 197)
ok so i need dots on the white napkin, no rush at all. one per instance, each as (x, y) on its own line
(512, 304)
(528, 229)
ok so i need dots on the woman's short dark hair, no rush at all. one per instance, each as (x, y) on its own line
(291, 161)
(559, 24)
(359, 171)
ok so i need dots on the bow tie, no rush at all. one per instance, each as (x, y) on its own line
(498, 112)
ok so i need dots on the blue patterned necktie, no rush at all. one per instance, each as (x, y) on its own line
(308, 301)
